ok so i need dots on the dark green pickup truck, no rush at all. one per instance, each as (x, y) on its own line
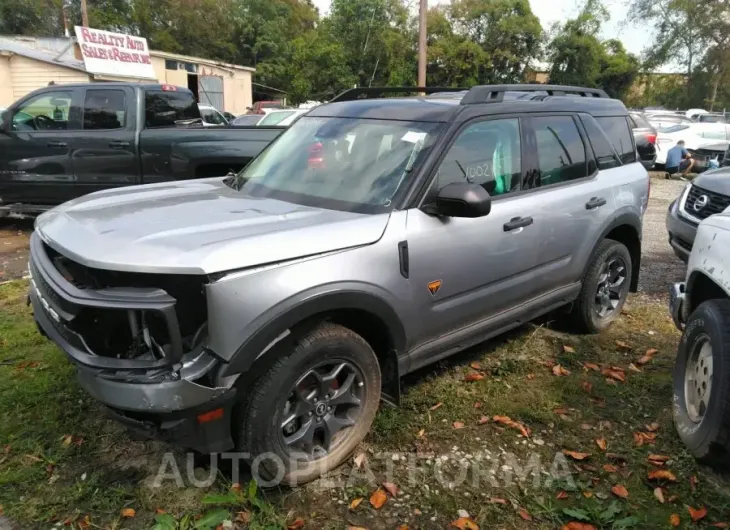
(64, 141)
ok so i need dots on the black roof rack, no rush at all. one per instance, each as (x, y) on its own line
(495, 93)
(376, 92)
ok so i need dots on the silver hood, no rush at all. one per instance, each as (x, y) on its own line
(197, 226)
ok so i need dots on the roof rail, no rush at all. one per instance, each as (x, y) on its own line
(376, 92)
(495, 93)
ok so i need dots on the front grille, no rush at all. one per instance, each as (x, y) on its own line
(705, 155)
(701, 203)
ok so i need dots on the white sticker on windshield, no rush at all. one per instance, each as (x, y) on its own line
(413, 136)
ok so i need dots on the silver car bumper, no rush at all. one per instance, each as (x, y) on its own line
(676, 304)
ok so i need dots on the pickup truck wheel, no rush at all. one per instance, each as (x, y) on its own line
(702, 384)
(605, 287)
(311, 409)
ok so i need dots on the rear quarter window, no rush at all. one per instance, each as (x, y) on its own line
(168, 108)
(618, 132)
(606, 157)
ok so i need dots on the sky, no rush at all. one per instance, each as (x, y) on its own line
(634, 38)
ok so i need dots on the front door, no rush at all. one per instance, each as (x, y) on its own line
(35, 152)
(104, 150)
(463, 271)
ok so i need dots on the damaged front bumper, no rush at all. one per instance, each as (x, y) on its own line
(156, 397)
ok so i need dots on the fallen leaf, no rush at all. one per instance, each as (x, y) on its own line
(560, 371)
(67, 440)
(652, 427)
(642, 438)
(402, 527)
(587, 386)
(634, 368)
(576, 455)
(128, 513)
(658, 458)
(160, 511)
(506, 420)
(378, 498)
(359, 459)
(421, 433)
(575, 525)
(611, 382)
(525, 514)
(473, 377)
(662, 474)
(614, 374)
(464, 523)
(659, 494)
(673, 499)
(674, 519)
(620, 491)
(561, 411)
(243, 517)
(477, 404)
(458, 425)
(651, 351)
(355, 503)
(647, 357)
(622, 345)
(391, 488)
(530, 377)
(417, 512)
(497, 500)
(436, 406)
(693, 483)
(588, 494)
(610, 468)
(720, 525)
(561, 495)
(476, 366)
(356, 528)
(591, 366)
(601, 442)
(568, 349)
(483, 420)
(296, 524)
(697, 513)
(586, 426)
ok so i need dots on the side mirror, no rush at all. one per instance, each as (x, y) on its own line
(5, 121)
(461, 199)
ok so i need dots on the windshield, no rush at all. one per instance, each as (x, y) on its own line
(274, 118)
(350, 164)
(673, 128)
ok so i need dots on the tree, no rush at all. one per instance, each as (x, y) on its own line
(31, 17)
(578, 57)
(453, 60)
(507, 31)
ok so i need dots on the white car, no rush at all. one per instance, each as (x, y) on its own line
(281, 117)
(660, 120)
(695, 136)
(212, 117)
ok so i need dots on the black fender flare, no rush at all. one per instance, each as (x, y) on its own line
(624, 219)
(255, 345)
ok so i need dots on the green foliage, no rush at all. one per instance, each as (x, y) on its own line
(578, 57)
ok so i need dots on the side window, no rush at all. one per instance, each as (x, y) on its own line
(617, 130)
(104, 109)
(485, 153)
(212, 117)
(606, 157)
(45, 112)
(560, 150)
(168, 108)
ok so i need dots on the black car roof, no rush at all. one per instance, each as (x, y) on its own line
(444, 107)
(117, 84)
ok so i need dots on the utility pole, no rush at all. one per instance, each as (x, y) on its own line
(421, 43)
(84, 14)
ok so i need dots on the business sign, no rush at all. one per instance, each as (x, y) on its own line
(115, 54)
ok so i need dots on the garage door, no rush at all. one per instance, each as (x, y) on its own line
(210, 91)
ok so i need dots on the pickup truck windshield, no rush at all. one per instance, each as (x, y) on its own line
(351, 164)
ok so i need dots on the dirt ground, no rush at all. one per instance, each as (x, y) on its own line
(660, 267)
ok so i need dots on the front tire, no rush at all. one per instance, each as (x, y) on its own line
(701, 380)
(605, 287)
(312, 408)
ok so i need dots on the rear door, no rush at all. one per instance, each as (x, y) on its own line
(105, 150)
(572, 198)
(35, 150)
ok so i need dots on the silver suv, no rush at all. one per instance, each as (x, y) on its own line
(270, 311)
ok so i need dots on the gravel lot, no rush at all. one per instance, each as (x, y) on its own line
(660, 267)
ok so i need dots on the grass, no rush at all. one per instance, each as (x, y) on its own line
(61, 460)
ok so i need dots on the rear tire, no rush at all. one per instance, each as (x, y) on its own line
(330, 414)
(701, 380)
(605, 288)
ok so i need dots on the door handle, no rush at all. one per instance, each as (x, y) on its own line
(57, 144)
(118, 144)
(517, 222)
(595, 202)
